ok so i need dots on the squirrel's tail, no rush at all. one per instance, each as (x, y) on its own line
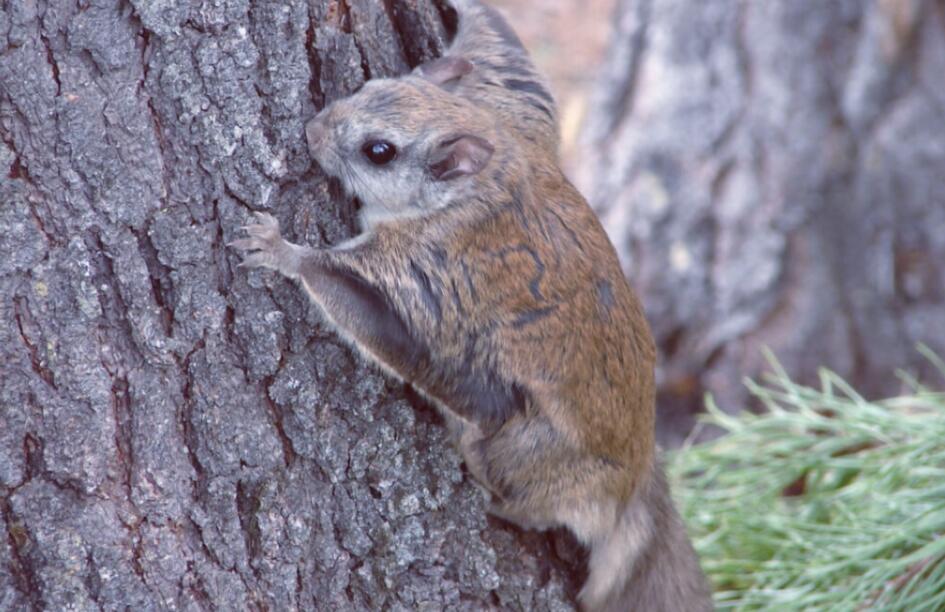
(646, 562)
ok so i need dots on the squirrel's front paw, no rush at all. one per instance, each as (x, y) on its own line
(265, 246)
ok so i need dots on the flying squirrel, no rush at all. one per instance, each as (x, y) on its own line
(483, 279)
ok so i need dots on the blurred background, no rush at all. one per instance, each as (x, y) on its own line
(771, 175)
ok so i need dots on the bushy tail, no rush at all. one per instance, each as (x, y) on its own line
(647, 563)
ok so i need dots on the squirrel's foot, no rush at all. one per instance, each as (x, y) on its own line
(265, 247)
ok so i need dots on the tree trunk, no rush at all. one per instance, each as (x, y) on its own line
(772, 175)
(176, 433)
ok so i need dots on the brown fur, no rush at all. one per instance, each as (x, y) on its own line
(494, 290)
(503, 78)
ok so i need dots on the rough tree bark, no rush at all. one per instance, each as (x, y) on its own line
(175, 434)
(772, 174)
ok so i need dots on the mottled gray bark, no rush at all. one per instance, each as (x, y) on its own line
(773, 174)
(176, 433)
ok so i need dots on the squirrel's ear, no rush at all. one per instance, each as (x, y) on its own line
(444, 71)
(460, 156)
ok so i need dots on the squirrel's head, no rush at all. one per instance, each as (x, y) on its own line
(404, 147)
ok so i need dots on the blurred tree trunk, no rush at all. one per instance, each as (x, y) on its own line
(773, 174)
(174, 433)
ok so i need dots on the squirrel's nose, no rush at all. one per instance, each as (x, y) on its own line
(315, 132)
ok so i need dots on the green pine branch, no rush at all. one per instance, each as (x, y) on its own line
(826, 501)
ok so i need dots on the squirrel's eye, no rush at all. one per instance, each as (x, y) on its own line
(379, 152)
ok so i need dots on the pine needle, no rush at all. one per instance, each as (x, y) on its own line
(826, 501)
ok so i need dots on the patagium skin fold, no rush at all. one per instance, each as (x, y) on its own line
(484, 279)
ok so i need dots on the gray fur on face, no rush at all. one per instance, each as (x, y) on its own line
(417, 118)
